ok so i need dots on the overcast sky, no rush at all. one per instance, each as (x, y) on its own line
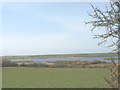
(48, 28)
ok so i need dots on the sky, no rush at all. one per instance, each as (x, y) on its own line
(39, 28)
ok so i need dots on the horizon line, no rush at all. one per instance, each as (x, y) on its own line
(58, 54)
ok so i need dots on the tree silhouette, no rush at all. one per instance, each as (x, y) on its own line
(107, 25)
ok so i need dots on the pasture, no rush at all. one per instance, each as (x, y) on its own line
(29, 77)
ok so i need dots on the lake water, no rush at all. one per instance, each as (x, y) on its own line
(64, 59)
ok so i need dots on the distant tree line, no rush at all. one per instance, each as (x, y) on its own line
(8, 63)
(57, 64)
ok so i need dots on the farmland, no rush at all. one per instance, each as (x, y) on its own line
(31, 77)
(61, 74)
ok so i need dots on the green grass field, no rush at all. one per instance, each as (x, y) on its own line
(54, 78)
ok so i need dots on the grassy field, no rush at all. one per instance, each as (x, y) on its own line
(54, 78)
(1, 78)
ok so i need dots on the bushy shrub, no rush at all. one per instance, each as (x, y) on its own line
(8, 63)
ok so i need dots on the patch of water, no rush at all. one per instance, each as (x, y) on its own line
(90, 59)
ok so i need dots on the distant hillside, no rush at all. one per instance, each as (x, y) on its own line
(63, 55)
